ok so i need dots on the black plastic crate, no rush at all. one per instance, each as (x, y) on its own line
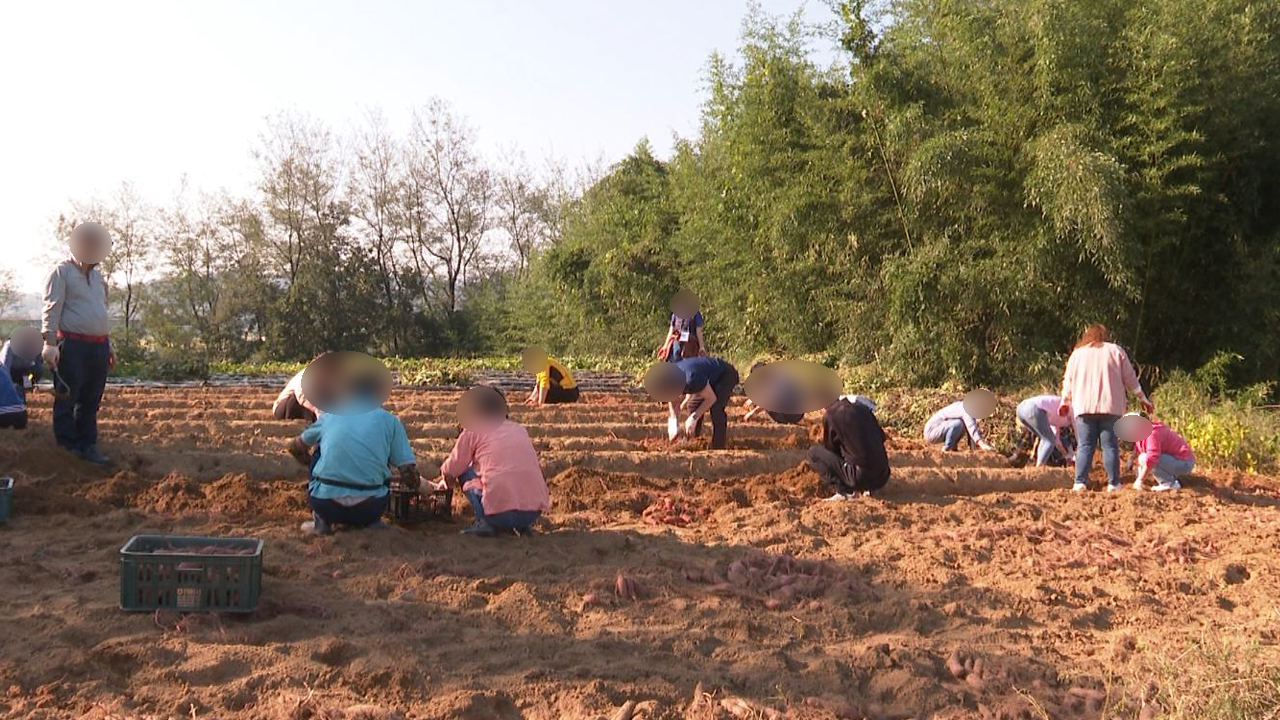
(190, 574)
(6, 498)
(409, 506)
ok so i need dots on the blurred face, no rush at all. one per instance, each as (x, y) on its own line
(534, 359)
(346, 383)
(664, 382)
(980, 404)
(793, 386)
(26, 342)
(90, 243)
(684, 304)
(1133, 427)
(482, 410)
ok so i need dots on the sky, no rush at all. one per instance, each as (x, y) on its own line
(97, 92)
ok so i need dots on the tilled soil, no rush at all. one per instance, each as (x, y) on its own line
(697, 583)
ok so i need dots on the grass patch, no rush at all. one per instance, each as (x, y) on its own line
(1214, 679)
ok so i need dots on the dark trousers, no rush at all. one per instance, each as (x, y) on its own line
(291, 409)
(839, 476)
(723, 388)
(15, 420)
(557, 394)
(361, 514)
(19, 376)
(83, 367)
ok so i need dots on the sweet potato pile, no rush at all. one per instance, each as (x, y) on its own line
(170, 549)
(666, 510)
(1076, 545)
(782, 581)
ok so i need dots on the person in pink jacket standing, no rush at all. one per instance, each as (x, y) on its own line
(1093, 388)
(1166, 455)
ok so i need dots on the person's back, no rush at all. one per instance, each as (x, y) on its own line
(507, 465)
(1164, 440)
(1096, 379)
(702, 371)
(852, 431)
(557, 375)
(357, 450)
(13, 410)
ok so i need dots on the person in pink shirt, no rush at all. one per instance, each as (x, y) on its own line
(498, 468)
(1093, 389)
(1166, 455)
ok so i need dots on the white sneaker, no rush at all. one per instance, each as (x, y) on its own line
(836, 498)
(1079, 487)
(1113, 488)
(1175, 485)
(1137, 485)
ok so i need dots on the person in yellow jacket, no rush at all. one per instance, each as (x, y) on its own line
(555, 384)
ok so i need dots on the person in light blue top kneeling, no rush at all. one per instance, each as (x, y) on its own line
(350, 481)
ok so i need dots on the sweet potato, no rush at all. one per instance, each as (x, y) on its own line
(627, 588)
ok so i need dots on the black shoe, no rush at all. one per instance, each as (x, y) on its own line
(91, 454)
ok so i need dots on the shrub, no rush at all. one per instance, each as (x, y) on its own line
(1226, 428)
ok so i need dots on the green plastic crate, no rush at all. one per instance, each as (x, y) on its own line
(6, 498)
(183, 578)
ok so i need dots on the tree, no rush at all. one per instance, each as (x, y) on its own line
(376, 186)
(447, 206)
(8, 292)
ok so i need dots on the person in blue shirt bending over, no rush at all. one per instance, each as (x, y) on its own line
(706, 384)
(350, 481)
(20, 359)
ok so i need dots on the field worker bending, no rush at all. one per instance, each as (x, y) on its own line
(13, 409)
(497, 467)
(291, 404)
(349, 482)
(75, 325)
(705, 384)
(1039, 414)
(554, 383)
(1093, 390)
(1166, 455)
(951, 424)
(20, 359)
(852, 459)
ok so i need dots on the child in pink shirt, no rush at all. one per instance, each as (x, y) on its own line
(501, 477)
(1166, 455)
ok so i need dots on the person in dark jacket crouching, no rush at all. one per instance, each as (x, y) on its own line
(851, 459)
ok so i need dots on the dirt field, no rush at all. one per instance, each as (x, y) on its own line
(967, 590)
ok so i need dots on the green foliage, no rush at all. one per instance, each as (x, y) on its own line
(977, 183)
(1225, 428)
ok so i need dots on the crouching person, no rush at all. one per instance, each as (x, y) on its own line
(497, 467)
(349, 480)
(1165, 455)
(13, 409)
(851, 459)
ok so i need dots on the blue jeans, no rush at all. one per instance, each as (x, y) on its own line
(508, 520)
(362, 514)
(83, 367)
(1037, 421)
(952, 432)
(1169, 468)
(1090, 430)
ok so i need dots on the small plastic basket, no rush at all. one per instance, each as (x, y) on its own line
(409, 506)
(6, 498)
(190, 574)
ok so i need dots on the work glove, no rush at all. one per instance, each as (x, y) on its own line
(51, 355)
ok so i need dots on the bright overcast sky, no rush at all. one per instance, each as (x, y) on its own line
(96, 92)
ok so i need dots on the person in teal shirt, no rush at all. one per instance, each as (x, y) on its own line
(350, 480)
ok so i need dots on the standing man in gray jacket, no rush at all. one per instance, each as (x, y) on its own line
(75, 326)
